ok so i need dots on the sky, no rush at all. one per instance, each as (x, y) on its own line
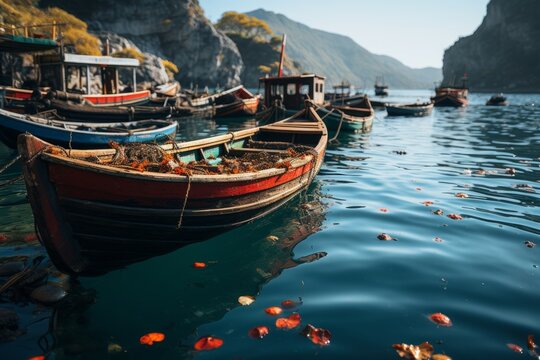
(416, 32)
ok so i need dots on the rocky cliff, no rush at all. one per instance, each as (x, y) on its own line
(503, 53)
(176, 30)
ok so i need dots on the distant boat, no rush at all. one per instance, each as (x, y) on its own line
(497, 100)
(237, 101)
(82, 135)
(92, 216)
(450, 96)
(381, 89)
(414, 109)
(169, 89)
(358, 118)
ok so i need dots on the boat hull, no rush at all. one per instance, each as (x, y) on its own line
(243, 107)
(333, 119)
(93, 219)
(409, 110)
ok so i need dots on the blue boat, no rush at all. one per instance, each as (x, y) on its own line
(414, 109)
(347, 118)
(82, 135)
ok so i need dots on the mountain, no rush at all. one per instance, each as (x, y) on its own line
(503, 53)
(340, 58)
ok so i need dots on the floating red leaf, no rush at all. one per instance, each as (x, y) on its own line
(208, 343)
(440, 319)
(461, 195)
(317, 336)
(3, 238)
(290, 304)
(289, 322)
(427, 203)
(530, 343)
(438, 239)
(414, 352)
(31, 237)
(273, 310)
(385, 237)
(151, 338)
(38, 357)
(515, 348)
(258, 332)
(384, 210)
(455, 216)
(440, 357)
(438, 212)
(199, 265)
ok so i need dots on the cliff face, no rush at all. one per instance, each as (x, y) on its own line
(176, 30)
(503, 53)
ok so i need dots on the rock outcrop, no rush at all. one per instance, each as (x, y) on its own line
(503, 53)
(176, 30)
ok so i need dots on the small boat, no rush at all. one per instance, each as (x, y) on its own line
(348, 118)
(497, 100)
(237, 101)
(89, 113)
(170, 89)
(92, 214)
(450, 96)
(82, 135)
(381, 89)
(414, 109)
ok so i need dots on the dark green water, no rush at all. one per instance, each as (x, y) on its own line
(369, 293)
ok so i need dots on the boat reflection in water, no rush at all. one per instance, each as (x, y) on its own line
(166, 294)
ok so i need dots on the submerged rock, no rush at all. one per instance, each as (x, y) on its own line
(48, 294)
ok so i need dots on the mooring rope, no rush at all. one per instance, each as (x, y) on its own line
(12, 181)
(13, 161)
(185, 203)
(339, 127)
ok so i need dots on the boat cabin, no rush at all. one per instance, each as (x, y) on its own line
(56, 68)
(292, 91)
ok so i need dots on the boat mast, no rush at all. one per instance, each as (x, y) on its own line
(282, 55)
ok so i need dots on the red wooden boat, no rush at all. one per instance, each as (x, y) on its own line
(92, 216)
(450, 96)
(237, 101)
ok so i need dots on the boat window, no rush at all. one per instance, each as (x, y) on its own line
(276, 90)
(321, 88)
(291, 89)
(304, 90)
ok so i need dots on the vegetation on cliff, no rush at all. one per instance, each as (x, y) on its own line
(73, 30)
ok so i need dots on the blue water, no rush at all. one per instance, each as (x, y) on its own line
(368, 293)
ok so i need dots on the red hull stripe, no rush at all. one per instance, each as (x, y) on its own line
(113, 99)
(86, 185)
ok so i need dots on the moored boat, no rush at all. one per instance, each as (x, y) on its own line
(81, 135)
(93, 215)
(497, 100)
(450, 96)
(358, 118)
(413, 109)
(170, 89)
(381, 89)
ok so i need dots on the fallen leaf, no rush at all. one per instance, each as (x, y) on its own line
(455, 216)
(480, 172)
(385, 237)
(290, 304)
(438, 240)
(427, 203)
(317, 336)
(272, 238)
(199, 265)
(438, 212)
(440, 319)
(440, 357)
(151, 338)
(530, 343)
(32, 237)
(510, 171)
(114, 348)
(419, 188)
(208, 343)
(289, 322)
(3, 238)
(462, 195)
(384, 210)
(273, 310)
(258, 332)
(37, 357)
(414, 352)
(246, 300)
(515, 348)
(529, 244)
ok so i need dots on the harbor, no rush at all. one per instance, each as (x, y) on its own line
(303, 218)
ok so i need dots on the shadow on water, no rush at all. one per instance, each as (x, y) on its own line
(168, 295)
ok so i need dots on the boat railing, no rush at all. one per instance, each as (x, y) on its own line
(53, 29)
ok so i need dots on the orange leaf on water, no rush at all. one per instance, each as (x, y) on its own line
(3, 238)
(414, 352)
(258, 332)
(427, 203)
(515, 348)
(151, 338)
(440, 357)
(385, 237)
(438, 212)
(462, 195)
(199, 265)
(290, 304)
(317, 336)
(384, 210)
(31, 237)
(38, 357)
(530, 343)
(273, 310)
(455, 216)
(440, 319)
(208, 343)
(289, 322)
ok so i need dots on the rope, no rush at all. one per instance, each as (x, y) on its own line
(14, 180)
(185, 202)
(339, 127)
(17, 278)
(13, 161)
(70, 140)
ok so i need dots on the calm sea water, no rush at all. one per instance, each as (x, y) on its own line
(368, 293)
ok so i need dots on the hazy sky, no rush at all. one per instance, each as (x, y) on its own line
(415, 32)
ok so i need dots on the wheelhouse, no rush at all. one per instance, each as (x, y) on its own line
(292, 91)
